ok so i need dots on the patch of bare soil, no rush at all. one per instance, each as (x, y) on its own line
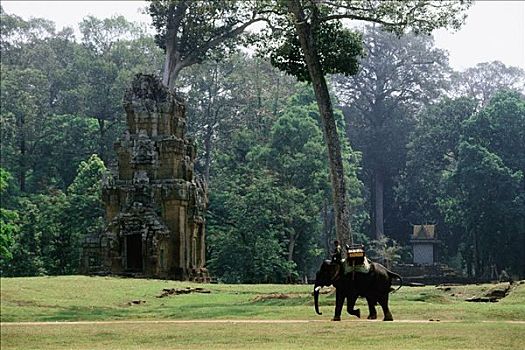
(486, 295)
(493, 295)
(177, 291)
(265, 297)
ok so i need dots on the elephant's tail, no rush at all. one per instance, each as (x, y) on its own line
(395, 275)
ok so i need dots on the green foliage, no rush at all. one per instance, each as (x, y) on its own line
(252, 251)
(23, 116)
(267, 199)
(8, 222)
(70, 138)
(420, 16)
(432, 151)
(484, 80)
(338, 49)
(190, 32)
(431, 154)
(199, 21)
(84, 210)
(296, 151)
(61, 100)
(488, 198)
(227, 95)
(38, 226)
(500, 127)
(463, 173)
(106, 64)
(305, 21)
(87, 181)
(386, 251)
(51, 226)
(244, 232)
(99, 35)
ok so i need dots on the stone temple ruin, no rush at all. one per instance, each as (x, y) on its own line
(154, 204)
(424, 244)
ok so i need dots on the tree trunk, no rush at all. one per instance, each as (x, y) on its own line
(371, 209)
(101, 143)
(379, 184)
(327, 227)
(291, 247)
(276, 97)
(166, 69)
(342, 211)
(172, 68)
(23, 152)
(174, 16)
(476, 253)
(174, 75)
(208, 145)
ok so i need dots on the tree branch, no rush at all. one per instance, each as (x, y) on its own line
(362, 18)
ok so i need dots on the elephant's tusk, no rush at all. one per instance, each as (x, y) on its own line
(318, 288)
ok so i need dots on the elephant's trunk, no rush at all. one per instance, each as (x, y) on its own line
(316, 299)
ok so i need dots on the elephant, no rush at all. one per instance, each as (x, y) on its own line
(375, 286)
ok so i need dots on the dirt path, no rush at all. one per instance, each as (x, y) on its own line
(65, 323)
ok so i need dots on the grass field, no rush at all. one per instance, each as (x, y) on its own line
(244, 316)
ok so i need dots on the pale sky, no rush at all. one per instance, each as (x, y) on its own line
(494, 30)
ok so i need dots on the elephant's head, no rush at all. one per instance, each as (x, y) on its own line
(326, 276)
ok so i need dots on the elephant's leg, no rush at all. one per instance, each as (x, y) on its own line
(339, 302)
(372, 313)
(350, 305)
(383, 301)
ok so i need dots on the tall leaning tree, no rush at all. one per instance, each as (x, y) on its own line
(318, 23)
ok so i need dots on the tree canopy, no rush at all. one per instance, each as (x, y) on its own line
(449, 147)
(192, 31)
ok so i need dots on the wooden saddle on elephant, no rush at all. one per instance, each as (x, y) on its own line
(356, 260)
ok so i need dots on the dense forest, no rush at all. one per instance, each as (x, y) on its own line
(421, 144)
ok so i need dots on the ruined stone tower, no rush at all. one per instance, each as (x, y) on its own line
(154, 204)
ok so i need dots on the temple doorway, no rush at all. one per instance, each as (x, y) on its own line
(134, 252)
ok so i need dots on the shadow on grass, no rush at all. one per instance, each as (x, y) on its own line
(430, 298)
(88, 314)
